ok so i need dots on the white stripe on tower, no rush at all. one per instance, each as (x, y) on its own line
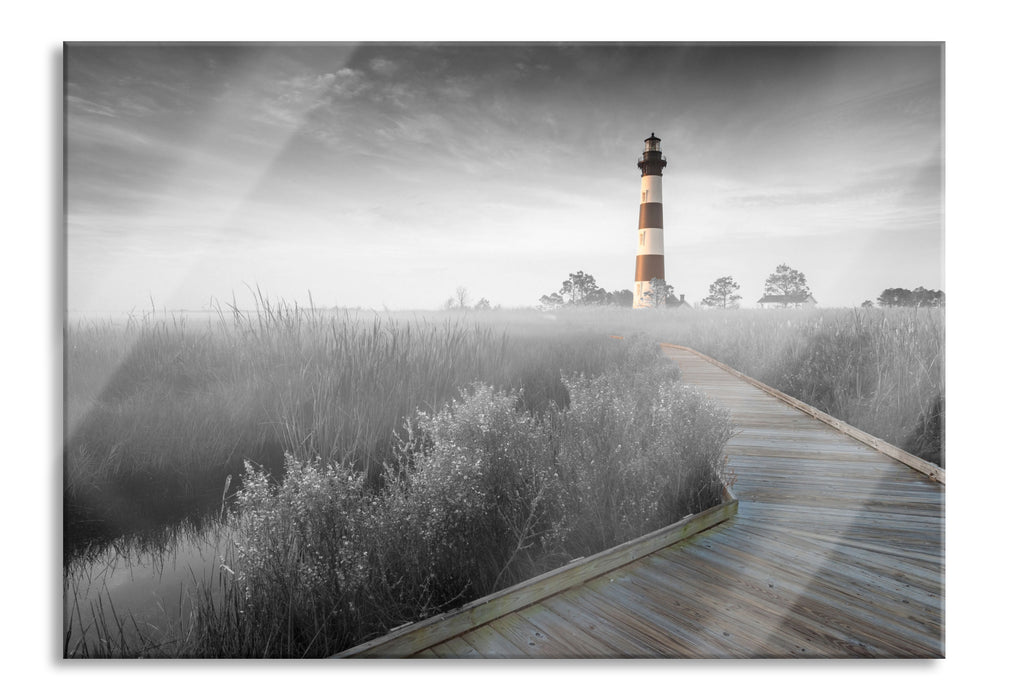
(650, 262)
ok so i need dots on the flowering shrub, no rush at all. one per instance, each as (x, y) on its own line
(301, 546)
(482, 494)
(638, 451)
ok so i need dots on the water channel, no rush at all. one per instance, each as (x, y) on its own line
(138, 593)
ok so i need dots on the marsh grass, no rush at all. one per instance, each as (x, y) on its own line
(568, 443)
(483, 493)
(881, 370)
(160, 411)
(418, 437)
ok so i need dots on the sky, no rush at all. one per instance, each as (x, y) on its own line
(386, 175)
(32, 182)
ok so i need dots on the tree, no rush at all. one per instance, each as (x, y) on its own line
(898, 296)
(551, 301)
(788, 282)
(482, 305)
(721, 294)
(659, 293)
(621, 297)
(578, 289)
(928, 297)
(581, 288)
(867, 304)
(462, 297)
(895, 296)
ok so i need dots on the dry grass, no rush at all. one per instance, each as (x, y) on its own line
(483, 494)
(160, 413)
(569, 442)
(881, 370)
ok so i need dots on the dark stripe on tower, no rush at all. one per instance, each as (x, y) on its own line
(650, 215)
(649, 266)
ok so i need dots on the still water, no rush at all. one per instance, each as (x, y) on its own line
(141, 591)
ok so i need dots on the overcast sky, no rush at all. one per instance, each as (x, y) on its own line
(389, 174)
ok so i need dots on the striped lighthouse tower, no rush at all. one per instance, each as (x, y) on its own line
(651, 258)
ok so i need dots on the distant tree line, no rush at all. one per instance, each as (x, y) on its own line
(461, 300)
(898, 296)
(785, 286)
(581, 289)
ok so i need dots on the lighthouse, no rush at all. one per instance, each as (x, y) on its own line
(650, 261)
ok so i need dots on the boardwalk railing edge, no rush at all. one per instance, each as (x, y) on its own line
(932, 471)
(418, 636)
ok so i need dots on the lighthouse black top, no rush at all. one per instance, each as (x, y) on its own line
(651, 161)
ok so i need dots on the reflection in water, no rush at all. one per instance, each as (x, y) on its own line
(137, 595)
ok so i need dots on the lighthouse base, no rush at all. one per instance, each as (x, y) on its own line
(642, 297)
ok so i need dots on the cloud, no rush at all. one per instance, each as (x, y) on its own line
(348, 83)
(885, 185)
(496, 154)
(383, 66)
(289, 101)
(79, 105)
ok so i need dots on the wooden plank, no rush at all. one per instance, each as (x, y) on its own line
(929, 469)
(906, 535)
(581, 643)
(836, 550)
(900, 570)
(755, 628)
(838, 602)
(588, 621)
(492, 644)
(432, 631)
(456, 648)
(772, 593)
(682, 625)
(864, 587)
(641, 624)
(628, 628)
(528, 636)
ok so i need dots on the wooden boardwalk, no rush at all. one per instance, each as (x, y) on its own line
(836, 550)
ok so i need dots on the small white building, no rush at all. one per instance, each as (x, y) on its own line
(783, 301)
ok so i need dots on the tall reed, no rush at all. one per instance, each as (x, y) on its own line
(881, 370)
(484, 493)
(160, 411)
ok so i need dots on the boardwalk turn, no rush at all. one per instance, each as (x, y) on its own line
(836, 550)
